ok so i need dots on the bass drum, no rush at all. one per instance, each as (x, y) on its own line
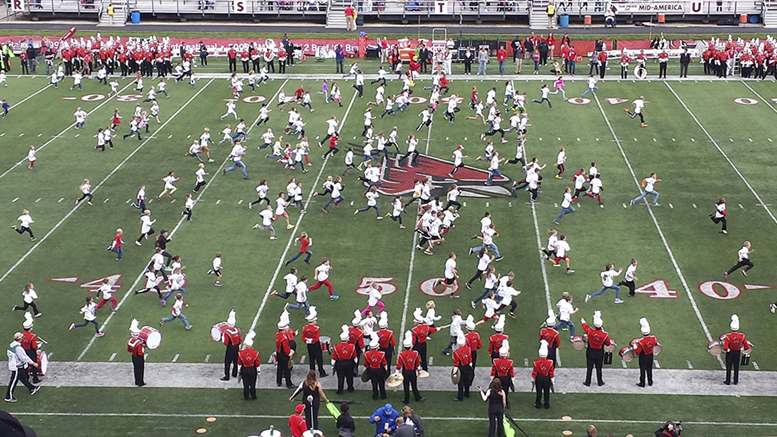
(43, 362)
(657, 349)
(640, 72)
(715, 347)
(627, 353)
(578, 343)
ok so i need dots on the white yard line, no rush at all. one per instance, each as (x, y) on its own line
(725, 156)
(658, 227)
(174, 230)
(759, 96)
(433, 418)
(44, 145)
(132, 287)
(30, 96)
(282, 259)
(410, 268)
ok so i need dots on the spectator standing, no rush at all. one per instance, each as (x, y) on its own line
(501, 56)
(350, 19)
(517, 54)
(482, 60)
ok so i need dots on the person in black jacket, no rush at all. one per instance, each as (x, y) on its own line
(543, 48)
(32, 52)
(345, 425)
(161, 242)
(424, 56)
(517, 54)
(411, 415)
(468, 56)
(203, 54)
(685, 60)
(528, 46)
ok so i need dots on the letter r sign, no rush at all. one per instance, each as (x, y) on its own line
(17, 5)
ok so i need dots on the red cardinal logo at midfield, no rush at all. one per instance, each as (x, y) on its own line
(399, 180)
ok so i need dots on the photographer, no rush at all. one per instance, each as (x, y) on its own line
(670, 429)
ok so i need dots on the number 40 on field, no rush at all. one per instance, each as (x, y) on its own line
(719, 290)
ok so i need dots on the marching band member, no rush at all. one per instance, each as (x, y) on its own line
(135, 347)
(550, 335)
(30, 344)
(232, 340)
(502, 368)
(386, 339)
(283, 351)
(311, 336)
(409, 363)
(644, 348)
(420, 333)
(356, 335)
(462, 359)
(733, 342)
(343, 359)
(375, 366)
(543, 376)
(473, 341)
(249, 362)
(597, 339)
(496, 340)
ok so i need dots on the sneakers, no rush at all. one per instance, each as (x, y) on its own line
(334, 297)
(474, 305)
(210, 272)
(587, 298)
(724, 231)
(289, 226)
(35, 390)
(189, 327)
(498, 259)
(256, 226)
(72, 326)
(469, 252)
(469, 287)
(10, 400)
(656, 204)
(273, 237)
(725, 275)
(138, 243)
(163, 302)
(217, 284)
(773, 308)
(744, 273)
(455, 296)
(618, 300)
(100, 334)
(570, 271)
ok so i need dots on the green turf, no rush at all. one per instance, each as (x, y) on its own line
(673, 145)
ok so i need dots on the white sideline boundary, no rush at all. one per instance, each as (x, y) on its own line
(725, 156)
(658, 226)
(59, 135)
(433, 418)
(282, 259)
(759, 96)
(29, 97)
(132, 287)
(410, 269)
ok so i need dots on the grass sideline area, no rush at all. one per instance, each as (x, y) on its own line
(693, 141)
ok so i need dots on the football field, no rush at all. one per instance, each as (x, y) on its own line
(705, 140)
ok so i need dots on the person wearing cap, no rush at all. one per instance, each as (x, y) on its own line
(18, 363)
(248, 360)
(161, 242)
(283, 354)
(232, 339)
(543, 376)
(135, 347)
(598, 338)
(343, 359)
(409, 362)
(297, 422)
(462, 359)
(384, 419)
(458, 157)
(733, 342)
(386, 339)
(503, 369)
(497, 339)
(311, 335)
(375, 366)
(474, 342)
(30, 344)
(644, 348)
(550, 335)
(312, 393)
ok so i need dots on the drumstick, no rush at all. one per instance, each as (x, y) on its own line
(42, 341)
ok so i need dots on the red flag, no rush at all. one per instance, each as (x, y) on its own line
(69, 34)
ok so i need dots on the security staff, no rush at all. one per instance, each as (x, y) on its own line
(594, 355)
(311, 336)
(375, 366)
(502, 368)
(733, 342)
(232, 340)
(462, 360)
(249, 362)
(135, 347)
(644, 348)
(409, 362)
(343, 360)
(543, 376)
(551, 336)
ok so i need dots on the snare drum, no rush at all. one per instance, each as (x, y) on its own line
(611, 347)
(217, 331)
(715, 347)
(627, 353)
(150, 337)
(274, 358)
(326, 343)
(578, 343)
(747, 348)
(657, 349)
(43, 362)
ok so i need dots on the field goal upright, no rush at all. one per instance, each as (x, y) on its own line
(439, 38)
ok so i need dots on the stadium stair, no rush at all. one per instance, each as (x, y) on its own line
(120, 15)
(538, 17)
(335, 14)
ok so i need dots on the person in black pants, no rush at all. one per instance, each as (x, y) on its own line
(597, 339)
(343, 356)
(203, 54)
(467, 58)
(22, 361)
(685, 60)
(733, 343)
(161, 242)
(629, 278)
(423, 59)
(248, 359)
(719, 216)
(744, 260)
(345, 422)
(135, 347)
(496, 399)
(283, 355)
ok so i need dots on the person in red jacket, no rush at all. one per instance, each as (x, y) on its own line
(644, 349)
(232, 340)
(30, 345)
(462, 360)
(297, 422)
(409, 362)
(543, 376)
(249, 362)
(501, 56)
(598, 338)
(733, 343)
(135, 347)
(283, 352)
(232, 56)
(550, 335)
(602, 57)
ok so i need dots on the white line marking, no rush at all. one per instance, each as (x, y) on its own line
(38, 200)
(282, 259)
(128, 201)
(694, 206)
(750, 139)
(760, 97)
(113, 355)
(14, 201)
(671, 206)
(29, 97)
(624, 205)
(658, 229)
(431, 361)
(132, 287)
(207, 358)
(106, 200)
(44, 145)
(755, 366)
(725, 156)
(741, 207)
(446, 419)
(240, 202)
(688, 363)
(218, 201)
(170, 136)
(21, 134)
(658, 366)
(40, 135)
(61, 199)
(175, 358)
(525, 362)
(623, 363)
